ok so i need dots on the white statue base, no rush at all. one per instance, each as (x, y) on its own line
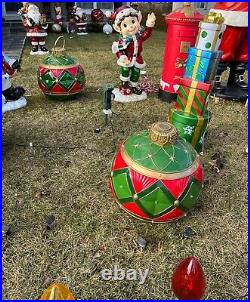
(39, 53)
(119, 97)
(82, 34)
(13, 105)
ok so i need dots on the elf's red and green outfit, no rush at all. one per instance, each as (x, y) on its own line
(130, 47)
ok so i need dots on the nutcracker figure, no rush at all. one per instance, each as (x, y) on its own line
(57, 26)
(12, 98)
(80, 19)
(36, 26)
(235, 50)
(128, 50)
(58, 12)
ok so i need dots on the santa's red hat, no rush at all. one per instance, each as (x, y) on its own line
(121, 12)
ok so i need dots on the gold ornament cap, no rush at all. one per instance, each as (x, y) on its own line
(162, 133)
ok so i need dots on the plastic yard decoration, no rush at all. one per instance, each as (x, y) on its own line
(60, 76)
(156, 176)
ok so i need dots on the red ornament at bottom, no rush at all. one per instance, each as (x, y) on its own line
(188, 280)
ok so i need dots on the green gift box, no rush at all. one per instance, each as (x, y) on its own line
(191, 127)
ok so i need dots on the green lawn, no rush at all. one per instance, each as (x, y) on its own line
(71, 165)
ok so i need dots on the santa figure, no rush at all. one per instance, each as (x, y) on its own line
(36, 26)
(128, 48)
(234, 45)
(80, 18)
(58, 12)
(12, 98)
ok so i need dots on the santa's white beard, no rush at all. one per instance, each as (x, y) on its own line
(79, 13)
(35, 17)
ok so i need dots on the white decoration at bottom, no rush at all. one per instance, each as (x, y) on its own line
(39, 53)
(119, 97)
(82, 34)
(13, 105)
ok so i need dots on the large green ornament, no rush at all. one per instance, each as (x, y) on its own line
(60, 76)
(156, 175)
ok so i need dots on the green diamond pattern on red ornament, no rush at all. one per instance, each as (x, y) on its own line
(48, 80)
(155, 200)
(80, 76)
(190, 195)
(122, 185)
(66, 80)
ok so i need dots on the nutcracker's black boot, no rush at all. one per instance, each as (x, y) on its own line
(13, 94)
(236, 76)
(218, 87)
(43, 48)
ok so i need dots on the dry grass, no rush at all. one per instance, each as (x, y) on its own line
(92, 232)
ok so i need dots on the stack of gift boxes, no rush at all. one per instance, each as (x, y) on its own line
(190, 115)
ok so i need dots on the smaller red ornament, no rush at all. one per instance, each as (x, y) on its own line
(97, 15)
(188, 280)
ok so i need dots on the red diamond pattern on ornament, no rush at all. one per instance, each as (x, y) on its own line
(76, 87)
(42, 71)
(119, 163)
(141, 182)
(73, 71)
(172, 215)
(177, 186)
(57, 72)
(58, 89)
(132, 207)
(199, 174)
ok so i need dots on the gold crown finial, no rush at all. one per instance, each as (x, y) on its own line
(162, 133)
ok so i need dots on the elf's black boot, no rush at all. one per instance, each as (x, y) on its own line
(218, 87)
(236, 76)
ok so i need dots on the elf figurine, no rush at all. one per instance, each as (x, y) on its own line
(128, 50)
(234, 45)
(36, 26)
(12, 98)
